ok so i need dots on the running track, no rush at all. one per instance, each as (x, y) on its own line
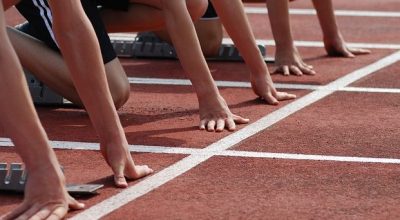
(331, 154)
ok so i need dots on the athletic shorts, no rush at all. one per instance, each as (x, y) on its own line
(210, 14)
(38, 14)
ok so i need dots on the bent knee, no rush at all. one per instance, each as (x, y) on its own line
(118, 83)
(120, 95)
(196, 8)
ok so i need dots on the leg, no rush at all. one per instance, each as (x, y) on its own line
(137, 17)
(51, 69)
(209, 31)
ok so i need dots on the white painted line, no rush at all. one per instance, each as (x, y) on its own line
(349, 13)
(370, 90)
(148, 184)
(286, 156)
(130, 37)
(70, 145)
(200, 152)
(237, 84)
(321, 44)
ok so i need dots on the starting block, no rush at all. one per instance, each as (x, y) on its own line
(13, 178)
(148, 45)
(43, 95)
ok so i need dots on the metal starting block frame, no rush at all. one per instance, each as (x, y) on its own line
(41, 94)
(148, 45)
(13, 178)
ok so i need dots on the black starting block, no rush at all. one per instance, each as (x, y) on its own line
(43, 95)
(148, 45)
(13, 178)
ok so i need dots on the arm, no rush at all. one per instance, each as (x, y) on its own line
(233, 18)
(81, 52)
(45, 192)
(214, 112)
(333, 39)
(287, 57)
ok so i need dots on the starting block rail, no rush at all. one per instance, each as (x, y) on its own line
(13, 178)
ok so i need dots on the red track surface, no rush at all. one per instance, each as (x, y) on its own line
(349, 124)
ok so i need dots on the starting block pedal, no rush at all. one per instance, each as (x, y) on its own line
(148, 45)
(43, 95)
(13, 178)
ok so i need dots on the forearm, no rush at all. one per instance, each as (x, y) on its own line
(326, 17)
(77, 41)
(278, 12)
(17, 114)
(188, 49)
(235, 21)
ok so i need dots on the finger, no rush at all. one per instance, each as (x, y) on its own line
(285, 70)
(211, 125)
(282, 96)
(348, 54)
(74, 204)
(230, 123)
(58, 213)
(270, 99)
(119, 178)
(16, 212)
(307, 70)
(139, 171)
(47, 211)
(359, 51)
(240, 120)
(295, 70)
(220, 125)
(30, 212)
(202, 125)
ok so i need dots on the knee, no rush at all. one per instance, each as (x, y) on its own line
(211, 46)
(120, 94)
(196, 8)
(117, 82)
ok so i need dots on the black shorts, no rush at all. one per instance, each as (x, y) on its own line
(38, 14)
(210, 13)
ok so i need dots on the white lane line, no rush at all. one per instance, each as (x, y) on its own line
(130, 37)
(349, 13)
(370, 90)
(229, 153)
(70, 145)
(286, 156)
(237, 84)
(150, 183)
(321, 44)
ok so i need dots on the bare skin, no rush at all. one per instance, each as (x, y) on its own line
(233, 17)
(287, 57)
(81, 53)
(212, 110)
(45, 194)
